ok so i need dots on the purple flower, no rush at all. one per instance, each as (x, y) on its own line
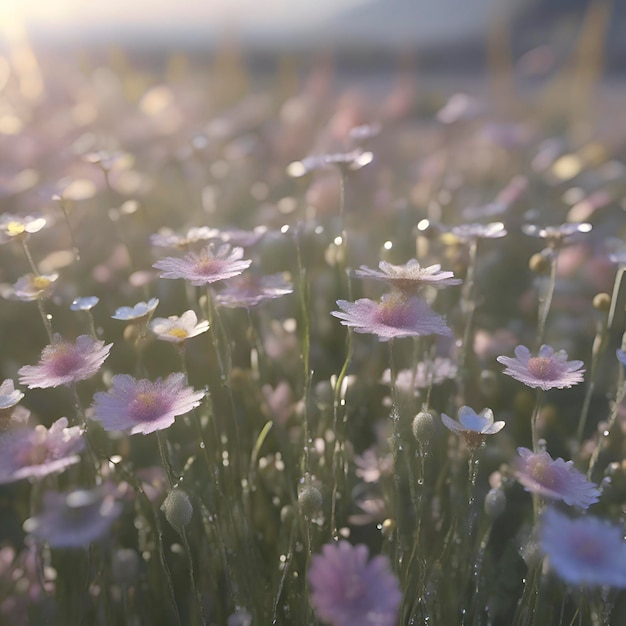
(248, 291)
(143, 406)
(410, 276)
(472, 426)
(547, 370)
(554, 479)
(394, 316)
(64, 362)
(142, 310)
(75, 519)
(37, 452)
(347, 590)
(586, 551)
(207, 267)
(178, 329)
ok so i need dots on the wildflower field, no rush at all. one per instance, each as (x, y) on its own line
(295, 351)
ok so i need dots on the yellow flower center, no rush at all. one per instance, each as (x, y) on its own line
(41, 282)
(14, 229)
(179, 333)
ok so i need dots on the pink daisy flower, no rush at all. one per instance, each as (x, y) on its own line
(394, 316)
(248, 291)
(347, 590)
(143, 406)
(547, 370)
(207, 267)
(64, 362)
(554, 479)
(74, 519)
(584, 552)
(410, 276)
(34, 453)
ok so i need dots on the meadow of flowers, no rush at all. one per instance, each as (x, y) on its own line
(301, 353)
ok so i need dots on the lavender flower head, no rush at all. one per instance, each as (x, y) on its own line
(178, 329)
(143, 406)
(34, 453)
(584, 552)
(547, 370)
(9, 395)
(394, 316)
(64, 362)
(472, 426)
(347, 590)
(141, 310)
(410, 276)
(248, 291)
(554, 479)
(75, 519)
(207, 267)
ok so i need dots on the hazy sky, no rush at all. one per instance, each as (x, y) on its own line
(263, 13)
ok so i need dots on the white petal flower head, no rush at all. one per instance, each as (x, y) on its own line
(19, 226)
(32, 287)
(472, 426)
(9, 395)
(410, 276)
(178, 329)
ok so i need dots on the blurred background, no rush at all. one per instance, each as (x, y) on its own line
(442, 34)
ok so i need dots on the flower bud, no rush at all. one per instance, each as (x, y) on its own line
(178, 509)
(310, 501)
(495, 503)
(423, 426)
(388, 528)
(602, 302)
(539, 264)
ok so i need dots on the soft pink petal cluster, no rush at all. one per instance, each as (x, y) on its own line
(75, 519)
(554, 479)
(65, 362)
(37, 452)
(547, 370)
(144, 406)
(394, 316)
(347, 589)
(248, 291)
(207, 267)
(410, 276)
